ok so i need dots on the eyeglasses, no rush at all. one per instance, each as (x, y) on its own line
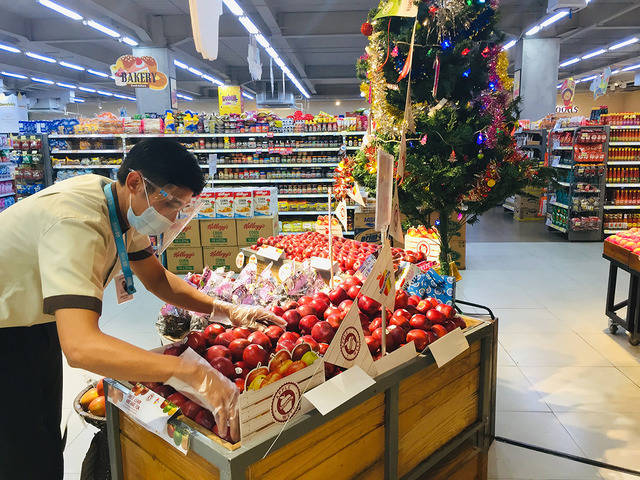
(165, 202)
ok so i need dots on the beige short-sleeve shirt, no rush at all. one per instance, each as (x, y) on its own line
(57, 250)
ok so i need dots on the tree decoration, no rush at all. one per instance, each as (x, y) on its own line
(366, 29)
(470, 162)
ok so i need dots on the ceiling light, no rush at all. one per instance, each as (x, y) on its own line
(8, 48)
(42, 80)
(195, 71)
(71, 65)
(586, 79)
(40, 57)
(78, 100)
(178, 63)
(246, 95)
(510, 44)
(133, 99)
(129, 41)
(632, 67)
(184, 97)
(66, 85)
(103, 28)
(248, 24)
(533, 31)
(262, 41)
(631, 41)
(234, 7)
(615, 71)
(60, 9)
(117, 95)
(569, 62)
(14, 75)
(213, 80)
(594, 54)
(106, 94)
(85, 89)
(554, 18)
(337, 103)
(97, 73)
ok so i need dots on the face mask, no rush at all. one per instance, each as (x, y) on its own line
(150, 222)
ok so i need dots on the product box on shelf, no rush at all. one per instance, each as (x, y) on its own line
(215, 257)
(265, 201)
(184, 259)
(526, 208)
(189, 236)
(243, 204)
(250, 229)
(219, 232)
(224, 202)
(364, 226)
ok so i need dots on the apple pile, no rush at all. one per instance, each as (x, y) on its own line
(628, 239)
(93, 400)
(350, 254)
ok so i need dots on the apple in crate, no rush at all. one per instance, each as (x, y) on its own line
(259, 338)
(225, 338)
(191, 409)
(224, 366)
(212, 331)
(322, 332)
(236, 348)
(277, 310)
(319, 305)
(175, 350)
(274, 332)
(292, 317)
(255, 354)
(306, 324)
(241, 332)
(419, 339)
(218, 351)
(205, 418)
(197, 341)
(368, 305)
(177, 399)
(338, 295)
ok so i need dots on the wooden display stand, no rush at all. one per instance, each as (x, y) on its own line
(417, 421)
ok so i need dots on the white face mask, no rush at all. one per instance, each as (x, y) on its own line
(150, 222)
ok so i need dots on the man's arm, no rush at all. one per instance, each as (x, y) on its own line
(169, 287)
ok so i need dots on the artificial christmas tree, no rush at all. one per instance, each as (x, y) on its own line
(436, 77)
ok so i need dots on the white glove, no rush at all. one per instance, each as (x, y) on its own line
(206, 386)
(256, 318)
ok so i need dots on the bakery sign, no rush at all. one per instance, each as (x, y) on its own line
(138, 72)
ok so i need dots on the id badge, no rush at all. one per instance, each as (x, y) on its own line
(121, 289)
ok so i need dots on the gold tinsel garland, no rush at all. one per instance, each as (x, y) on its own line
(502, 64)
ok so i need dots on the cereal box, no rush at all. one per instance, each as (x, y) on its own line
(224, 204)
(243, 204)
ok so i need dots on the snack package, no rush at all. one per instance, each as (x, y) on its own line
(224, 204)
(243, 203)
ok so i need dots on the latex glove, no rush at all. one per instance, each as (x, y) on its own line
(206, 386)
(251, 316)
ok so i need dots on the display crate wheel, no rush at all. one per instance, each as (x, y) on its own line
(613, 328)
(89, 417)
(634, 340)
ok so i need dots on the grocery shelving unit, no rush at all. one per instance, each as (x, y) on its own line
(576, 195)
(534, 144)
(29, 155)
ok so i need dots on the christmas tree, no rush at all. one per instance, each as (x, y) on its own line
(436, 77)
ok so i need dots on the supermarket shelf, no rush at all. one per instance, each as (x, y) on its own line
(85, 135)
(624, 127)
(271, 165)
(565, 167)
(562, 147)
(564, 184)
(309, 212)
(622, 207)
(558, 204)
(302, 195)
(622, 185)
(612, 232)
(10, 194)
(624, 144)
(205, 135)
(348, 232)
(267, 150)
(556, 227)
(565, 129)
(537, 147)
(81, 167)
(623, 163)
(114, 150)
(276, 180)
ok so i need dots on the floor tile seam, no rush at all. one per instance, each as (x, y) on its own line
(533, 387)
(581, 335)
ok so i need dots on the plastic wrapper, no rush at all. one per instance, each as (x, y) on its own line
(173, 321)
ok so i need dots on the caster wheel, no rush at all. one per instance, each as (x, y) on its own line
(613, 328)
(635, 341)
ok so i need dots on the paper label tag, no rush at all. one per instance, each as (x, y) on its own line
(271, 252)
(323, 264)
(396, 358)
(333, 393)
(240, 260)
(121, 289)
(448, 347)
(341, 213)
(366, 267)
(213, 164)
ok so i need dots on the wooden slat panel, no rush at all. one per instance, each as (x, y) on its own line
(342, 448)
(138, 464)
(428, 425)
(426, 382)
(191, 466)
(464, 464)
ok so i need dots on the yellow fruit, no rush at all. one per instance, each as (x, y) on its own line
(97, 406)
(88, 397)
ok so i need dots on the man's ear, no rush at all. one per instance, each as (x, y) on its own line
(134, 182)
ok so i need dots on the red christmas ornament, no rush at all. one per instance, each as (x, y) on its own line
(486, 52)
(433, 10)
(366, 29)
(465, 52)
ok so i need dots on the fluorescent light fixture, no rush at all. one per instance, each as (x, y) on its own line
(594, 54)
(248, 24)
(246, 95)
(9, 48)
(66, 85)
(569, 62)
(280, 63)
(299, 86)
(262, 41)
(106, 94)
(234, 7)
(533, 31)
(97, 73)
(213, 80)
(178, 63)
(631, 41)
(85, 89)
(129, 41)
(133, 99)
(42, 80)
(510, 44)
(103, 28)
(71, 65)
(586, 79)
(554, 18)
(272, 52)
(40, 57)
(14, 75)
(60, 9)
(631, 67)
(78, 100)
(615, 71)
(184, 97)
(117, 95)
(195, 71)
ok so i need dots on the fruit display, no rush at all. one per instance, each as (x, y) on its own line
(93, 401)
(627, 239)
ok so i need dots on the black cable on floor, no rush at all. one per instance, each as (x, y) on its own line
(575, 458)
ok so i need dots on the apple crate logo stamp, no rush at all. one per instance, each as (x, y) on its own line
(350, 343)
(285, 402)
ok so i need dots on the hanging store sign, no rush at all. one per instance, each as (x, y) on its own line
(138, 72)
(230, 100)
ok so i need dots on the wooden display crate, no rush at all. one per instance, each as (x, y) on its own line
(417, 421)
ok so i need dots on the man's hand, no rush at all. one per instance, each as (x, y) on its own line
(250, 316)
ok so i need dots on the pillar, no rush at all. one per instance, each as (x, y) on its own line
(537, 61)
(149, 100)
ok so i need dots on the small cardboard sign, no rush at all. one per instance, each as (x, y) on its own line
(334, 392)
(380, 283)
(324, 264)
(240, 260)
(341, 213)
(396, 358)
(271, 252)
(395, 229)
(384, 190)
(448, 347)
(355, 195)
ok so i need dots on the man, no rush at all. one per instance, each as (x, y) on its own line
(58, 251)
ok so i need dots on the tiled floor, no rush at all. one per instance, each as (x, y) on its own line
(564, 382)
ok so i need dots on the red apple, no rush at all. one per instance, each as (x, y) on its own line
(398, 334)
(345, 305)
(216, 351)
(224, 366)
(439, 330)
(402, 313)
(433, 301)
(276, 310)
(420, 339)
(352, 281)
(305, 300)
(323, 296)
(319, 306)
(307, 323)
(261, 339)
(197, 341)
(402, 299)
(205, 418)
(322, 332)
(175, 350)
(242, 332)
(290, 336)
(285, 345)
(368, 305)
(431, 336)
(331, 311)
(449, 325)
(420, 321)
(413, 300)
(292, 317)
(241, 368)
(354, 291)
(225, 338)
(274, 332)
(460, 322)
(401, 322)
(309, 340)
(295, 367)
(236, 348)
(435, 316)
(375, 324)
(337, 295)
(290, 305)
(305, 310)
(255, 354)
(447, 310)
(212, 331)
(372, 343)
(191, 409)
(423, 306)
(335, 320)
(322, 348)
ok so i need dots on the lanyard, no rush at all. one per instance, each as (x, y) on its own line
(117, 234)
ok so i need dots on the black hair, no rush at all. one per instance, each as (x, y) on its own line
(163, 161)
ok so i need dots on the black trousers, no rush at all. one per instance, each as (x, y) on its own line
(31, 386)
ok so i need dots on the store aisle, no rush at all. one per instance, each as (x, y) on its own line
(563, 381)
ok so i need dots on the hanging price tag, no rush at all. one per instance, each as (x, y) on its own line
(341, 213)
(449, 347)
(271, 252)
